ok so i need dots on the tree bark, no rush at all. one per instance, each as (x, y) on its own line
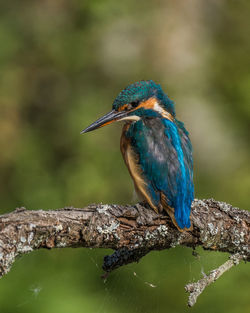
(132, 231)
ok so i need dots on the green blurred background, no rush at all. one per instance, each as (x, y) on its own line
(62, 64)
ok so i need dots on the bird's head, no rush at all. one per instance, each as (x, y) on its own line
(141, 99)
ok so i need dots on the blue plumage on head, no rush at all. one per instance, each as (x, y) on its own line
(141, 91)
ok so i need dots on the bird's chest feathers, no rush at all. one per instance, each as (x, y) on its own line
(141, 147)
(130, 156)
(146, 138)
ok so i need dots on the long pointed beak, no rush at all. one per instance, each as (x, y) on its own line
(105, 120)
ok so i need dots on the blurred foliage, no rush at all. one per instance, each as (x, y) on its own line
(62, 64)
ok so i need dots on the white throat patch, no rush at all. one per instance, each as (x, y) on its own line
(130, 118)
(162, 112)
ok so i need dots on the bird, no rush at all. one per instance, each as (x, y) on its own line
(156, 149)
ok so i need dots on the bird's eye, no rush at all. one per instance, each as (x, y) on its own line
(132, 105)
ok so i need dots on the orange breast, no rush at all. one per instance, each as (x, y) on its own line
(132, 162)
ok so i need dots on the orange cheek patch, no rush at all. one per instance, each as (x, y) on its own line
(148, 104)
(152, 104)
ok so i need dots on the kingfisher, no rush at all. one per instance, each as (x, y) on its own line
(156, 149)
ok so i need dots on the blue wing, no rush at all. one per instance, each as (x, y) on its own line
(165, 157)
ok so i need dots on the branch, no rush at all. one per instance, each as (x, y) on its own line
(195, 289)
(132, 231)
